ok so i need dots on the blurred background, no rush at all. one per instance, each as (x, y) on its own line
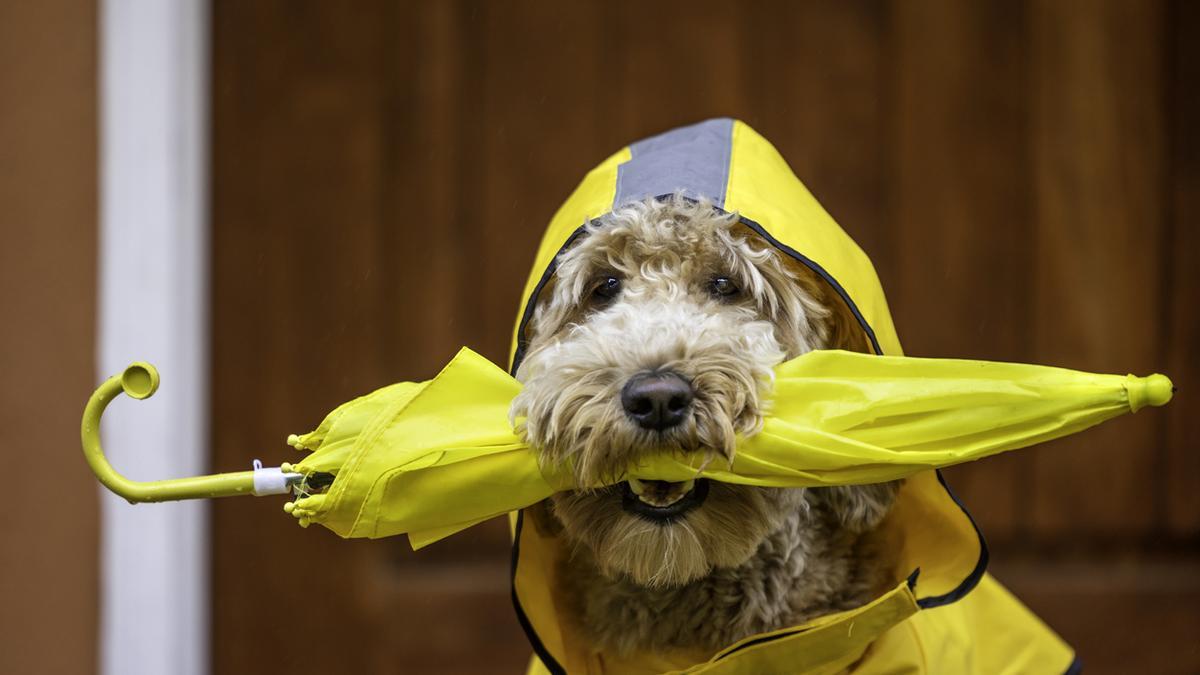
(285, 204)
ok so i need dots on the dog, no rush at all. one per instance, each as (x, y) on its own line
(659, 332)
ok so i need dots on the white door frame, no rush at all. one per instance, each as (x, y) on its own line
(153, 306)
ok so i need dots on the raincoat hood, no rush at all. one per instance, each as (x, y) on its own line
(943, 613)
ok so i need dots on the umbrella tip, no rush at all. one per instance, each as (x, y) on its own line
(1159, 390)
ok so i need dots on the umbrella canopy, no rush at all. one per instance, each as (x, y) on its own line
(429, 459)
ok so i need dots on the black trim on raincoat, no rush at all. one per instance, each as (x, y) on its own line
(534, 641)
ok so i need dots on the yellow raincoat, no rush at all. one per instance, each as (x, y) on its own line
(945, 614)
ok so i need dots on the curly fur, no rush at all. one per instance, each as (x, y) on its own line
(803, 568)
(748, 559)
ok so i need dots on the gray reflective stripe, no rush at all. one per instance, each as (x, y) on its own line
(693, 160)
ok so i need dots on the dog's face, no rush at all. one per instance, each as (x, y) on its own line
(659, 333)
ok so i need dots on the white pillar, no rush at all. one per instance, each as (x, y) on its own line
(153, 295)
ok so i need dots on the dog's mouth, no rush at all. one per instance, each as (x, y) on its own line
(661, 501)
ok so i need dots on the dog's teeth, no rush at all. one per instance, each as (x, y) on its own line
(660, 493)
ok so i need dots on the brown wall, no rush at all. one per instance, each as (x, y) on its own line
(1024, 175)
(48, 529)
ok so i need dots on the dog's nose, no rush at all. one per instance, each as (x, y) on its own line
(657, 401)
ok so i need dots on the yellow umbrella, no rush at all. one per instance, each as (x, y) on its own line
(431, 458)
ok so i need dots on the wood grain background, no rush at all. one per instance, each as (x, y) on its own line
(50, 527)
(1024, 174)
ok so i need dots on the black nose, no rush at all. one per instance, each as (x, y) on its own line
(657, 401)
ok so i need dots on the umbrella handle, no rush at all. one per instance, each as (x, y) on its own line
(140, 380)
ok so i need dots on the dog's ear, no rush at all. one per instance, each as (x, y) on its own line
(840, 328)
(558, 301)
(539, 322)
(845, 331)
(814, 315)
(858, 508)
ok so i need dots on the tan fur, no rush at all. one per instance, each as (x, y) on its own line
(631, 576)
(802, 569)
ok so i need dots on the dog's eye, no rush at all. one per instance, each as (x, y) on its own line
(723, 287)
(606, 289)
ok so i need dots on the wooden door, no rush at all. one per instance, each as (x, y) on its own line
(1024, 176)
(50, 530)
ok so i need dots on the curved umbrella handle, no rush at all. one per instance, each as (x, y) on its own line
(140, 380)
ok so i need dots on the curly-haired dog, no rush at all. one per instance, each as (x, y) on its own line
(660, 331)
